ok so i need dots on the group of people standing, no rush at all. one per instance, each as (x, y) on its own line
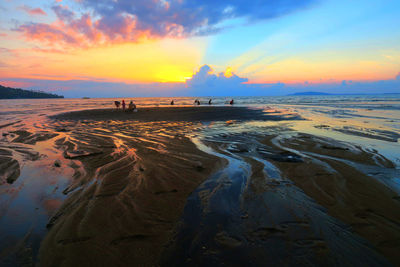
(131, 106)
(197, 102)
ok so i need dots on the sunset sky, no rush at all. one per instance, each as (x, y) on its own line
(158, 47)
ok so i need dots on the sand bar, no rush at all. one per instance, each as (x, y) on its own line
(192, 114)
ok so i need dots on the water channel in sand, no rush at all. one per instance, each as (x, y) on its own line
(253, 204)
(244, 217)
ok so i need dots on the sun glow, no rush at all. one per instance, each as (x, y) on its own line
(160, 61)
(228, 72)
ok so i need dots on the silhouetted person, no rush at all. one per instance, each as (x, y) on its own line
(197, 102)
(131, 106)
(123, 105)
(209, 101)
(172, 102)
(231, 102)
(117, 104)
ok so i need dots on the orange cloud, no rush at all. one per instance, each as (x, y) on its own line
(33, 11)
(127, 21)
(85, 33)
(47, 33)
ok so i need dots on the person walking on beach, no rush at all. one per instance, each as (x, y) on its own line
(123, 105)
(117, 104)
(197, 102)
(209, 101)
(231, 103)
(172, 102)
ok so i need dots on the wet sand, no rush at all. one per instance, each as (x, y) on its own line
(197, 185)
(191, 114)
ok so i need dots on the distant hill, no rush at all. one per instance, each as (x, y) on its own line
(310, 93)
(12, 93)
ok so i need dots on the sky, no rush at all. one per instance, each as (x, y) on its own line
(116, 48)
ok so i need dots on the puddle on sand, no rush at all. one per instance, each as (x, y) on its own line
(26, 207)
(27, 204)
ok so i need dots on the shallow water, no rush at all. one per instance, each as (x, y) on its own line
(226, 206)
(226, 221)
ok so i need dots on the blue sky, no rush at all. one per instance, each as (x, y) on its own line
(251, 47)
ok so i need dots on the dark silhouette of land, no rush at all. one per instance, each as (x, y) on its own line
(16, 93)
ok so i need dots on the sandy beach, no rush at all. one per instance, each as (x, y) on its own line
(205, 185)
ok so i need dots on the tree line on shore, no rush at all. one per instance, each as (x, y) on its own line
(17, 93)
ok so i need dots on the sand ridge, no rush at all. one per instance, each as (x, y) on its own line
(191, 114)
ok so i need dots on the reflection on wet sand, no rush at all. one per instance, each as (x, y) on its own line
(286, 198)
(180, 186)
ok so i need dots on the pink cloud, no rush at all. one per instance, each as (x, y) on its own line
(107, 21)
(49, 50)
(47, 33)
(15, 84)
(32, 11)
(86, 32)
(4, 50)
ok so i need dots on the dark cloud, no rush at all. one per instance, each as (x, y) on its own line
(63, 13)
(126, 20)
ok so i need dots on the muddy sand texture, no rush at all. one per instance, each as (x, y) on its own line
(127, 194)
(324, 207)
(191, 114)
(131, 183)
(342, 178)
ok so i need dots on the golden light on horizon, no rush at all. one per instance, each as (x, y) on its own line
(228, 72)
(170, 60)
